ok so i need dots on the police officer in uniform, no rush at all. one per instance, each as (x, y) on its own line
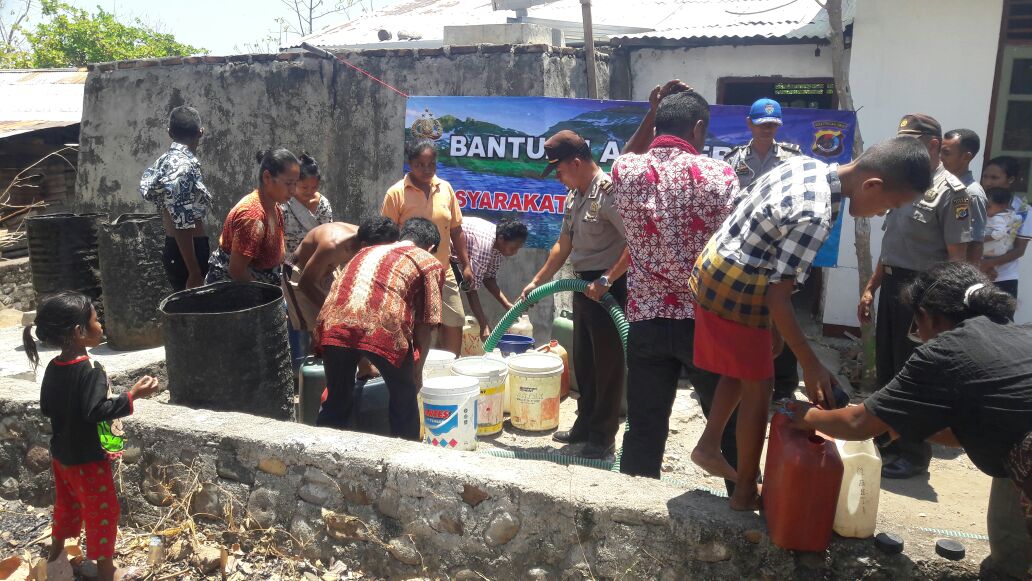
(592, 237)
(934, 228)
(762, 153)
(750, 161)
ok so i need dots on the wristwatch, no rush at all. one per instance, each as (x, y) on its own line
(604, 281)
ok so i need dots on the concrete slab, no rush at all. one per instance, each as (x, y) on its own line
(15, 364)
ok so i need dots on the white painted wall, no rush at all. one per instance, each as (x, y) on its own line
(929, 56)
(700, 68)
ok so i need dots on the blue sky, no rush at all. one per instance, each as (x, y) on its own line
(221, 26)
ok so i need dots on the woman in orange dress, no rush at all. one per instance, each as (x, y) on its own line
(251, 244)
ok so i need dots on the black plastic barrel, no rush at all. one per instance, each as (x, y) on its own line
(226, 349)
(134, 280)
(63, 254)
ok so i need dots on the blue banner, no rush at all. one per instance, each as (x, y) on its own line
(491, 149)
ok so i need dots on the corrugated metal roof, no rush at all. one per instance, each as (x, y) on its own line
(719, 19)
(41, 96)
(10, 128)
(675, 19)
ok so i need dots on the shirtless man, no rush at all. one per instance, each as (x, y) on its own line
(324, 249)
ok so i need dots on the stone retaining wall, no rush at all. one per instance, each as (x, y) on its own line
(16, 285)
(399, 509)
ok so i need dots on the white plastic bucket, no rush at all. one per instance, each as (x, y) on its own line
(491, 404)
(448, 412)
(856, 514)
(438, 363)
(535, 381)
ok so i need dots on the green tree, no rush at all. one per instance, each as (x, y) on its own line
(72, 37)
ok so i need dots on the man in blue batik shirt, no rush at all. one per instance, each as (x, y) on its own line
(175, 186)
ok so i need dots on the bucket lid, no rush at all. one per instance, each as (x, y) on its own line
(479, 366)
(439, 356)
(452, 385)
(535, 362)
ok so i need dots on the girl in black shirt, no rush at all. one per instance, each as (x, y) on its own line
(83, 414)
(968, 384)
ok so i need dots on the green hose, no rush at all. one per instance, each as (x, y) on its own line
(521, 306)
(549, 289)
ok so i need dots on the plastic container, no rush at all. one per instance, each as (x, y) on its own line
(515, 344)
(438, 363)
(132, 243)
(857, 512)
(562, 330)
(63, 254)
(555, 348)
(492, 375)
(226, 349)
(801, 481)
(522, 326)
(448, 412)
(535, 381)
(471, 344)
(370, 400)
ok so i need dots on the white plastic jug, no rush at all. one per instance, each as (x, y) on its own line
(857, 512)
(471, 343)
(522, 326)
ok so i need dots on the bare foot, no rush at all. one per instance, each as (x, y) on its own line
(746, 498)
(713, 463)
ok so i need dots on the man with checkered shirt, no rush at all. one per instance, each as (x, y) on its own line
(743, 282)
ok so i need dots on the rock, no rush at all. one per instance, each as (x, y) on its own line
(9, 489)
(389, 503)
(154, 488)
(448, 524)
(344, 527)
(753, 536)
(230, 467)
(261, 506)
(403, 550)
(712, 552)
(467, 575)
(28, 318)
(311, 576)
(473, 496)
(578, 573)
(207, 502)
(302, 530)
(354, 493)
(318, 488)
(180, 550)
(131, 455)
(207, 559)
(503, 528)
(9, 429)
(539, 574)
(37, 459)
(273, 466)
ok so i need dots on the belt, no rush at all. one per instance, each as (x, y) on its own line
(592, 274)
(898, 271)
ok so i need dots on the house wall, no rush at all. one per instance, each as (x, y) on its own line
(898, 67)
(701, 68)
(350, 123)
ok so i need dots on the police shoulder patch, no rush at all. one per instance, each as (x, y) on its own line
(961, 207)
(954, 183)
(790, 147)
(734, 151)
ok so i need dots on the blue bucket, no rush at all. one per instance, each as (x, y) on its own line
(513, 344)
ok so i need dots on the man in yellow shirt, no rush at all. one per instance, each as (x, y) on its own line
(421, 194)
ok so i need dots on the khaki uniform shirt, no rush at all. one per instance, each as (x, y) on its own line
(916, 235)
(749, 167)
(594, 225)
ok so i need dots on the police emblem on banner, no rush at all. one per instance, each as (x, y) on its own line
(426, 127)
(828, 138)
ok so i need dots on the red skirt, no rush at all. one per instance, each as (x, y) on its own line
(732, 349)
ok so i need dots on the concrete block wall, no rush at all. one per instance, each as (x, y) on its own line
(398, 509)
(353, 125)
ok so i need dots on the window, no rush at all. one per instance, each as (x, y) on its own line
(801, 93)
